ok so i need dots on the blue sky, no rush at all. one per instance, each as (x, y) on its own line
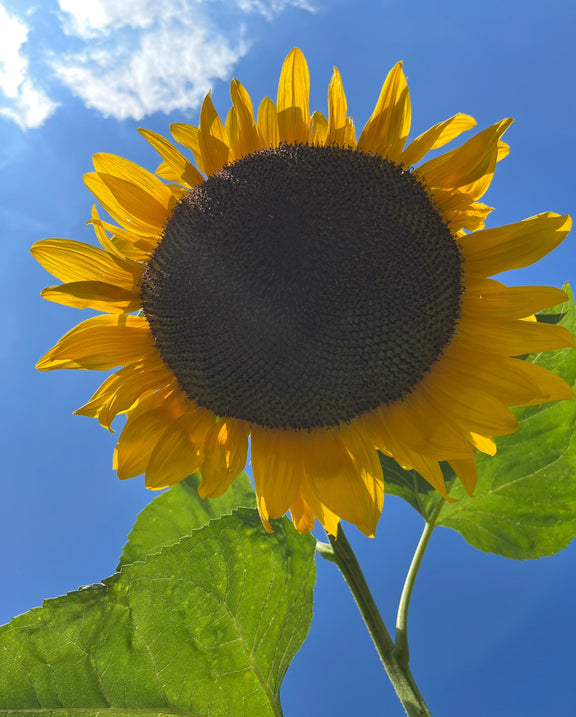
(488, 636)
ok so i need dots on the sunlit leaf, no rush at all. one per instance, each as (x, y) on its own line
(205, 628)
(178, 512)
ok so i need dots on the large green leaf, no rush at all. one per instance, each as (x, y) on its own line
(206, 627)
(178, 512)
(524, 505)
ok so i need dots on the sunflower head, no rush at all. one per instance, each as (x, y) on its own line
(328, 297)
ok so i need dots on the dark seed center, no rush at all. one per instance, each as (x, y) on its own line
(302, 286)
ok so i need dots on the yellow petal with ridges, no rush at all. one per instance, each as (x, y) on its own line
(189, 136)
(175, 168)
(117, 209)
(212, 138)
(319, 129)
(249, 140)
(327, 518)
(513, 246)
(302, 515)
(277, 468)
(436, 137)
(512, 381)
(94, 295)
(337, 482)
(514, 338)
(474, 410)
(466, 471)
(137, 190)
(418, 426)
(225, 452)
(387, 129)
(174, 457)
(122, 244)
(268, 123)
(122, 390)
(232, 128)
(145, 425)
(484, 296)
(73, 261)
(350, 133)
(468, 163)
(292, 102)
(101, 343)
(460, 210)
(337, 108)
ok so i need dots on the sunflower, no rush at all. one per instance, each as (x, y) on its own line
(324, 296)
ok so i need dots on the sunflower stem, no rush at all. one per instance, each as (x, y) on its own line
(398, 672)
(401, 649)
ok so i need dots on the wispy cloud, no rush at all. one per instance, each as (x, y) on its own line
(21, 99)
(132, 58)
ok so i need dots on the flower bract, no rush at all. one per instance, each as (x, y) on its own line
(323, 295)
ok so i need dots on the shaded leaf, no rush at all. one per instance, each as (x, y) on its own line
(524, 505)
(206, 628)
(178, 512)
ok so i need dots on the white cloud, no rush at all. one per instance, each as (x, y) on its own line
(130, 58)
(169, 69)
(23, 101)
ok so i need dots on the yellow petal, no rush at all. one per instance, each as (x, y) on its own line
(189, 136)
(136, 190)
(292, 101)
(212, 138)
(472, 409)
(513, 246)
(512, 302)
(319, 129)
(466, 471)
(350, 133)
(513, 381)
(435, 137)
(337, 109)
(249, 140)
(514, 337)
(386, 131)
(467, 164)
(145, 425)
(277, 469)
(174, 457)
(418, 426)
(302, 515)
(225, 453)
(232, 128)
(122, 244)
(73, 261)
(120, 391)
(268, 123)
(346, 488)
(175, 168)
(101, 343)
(328, 519)
(460, 210)
(94, 295)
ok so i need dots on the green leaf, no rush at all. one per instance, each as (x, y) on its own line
(204, 628)
(178, 512)
(524, 505)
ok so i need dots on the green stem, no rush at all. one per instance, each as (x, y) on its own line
(398, 671)
(401, 648)
(401, 638)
